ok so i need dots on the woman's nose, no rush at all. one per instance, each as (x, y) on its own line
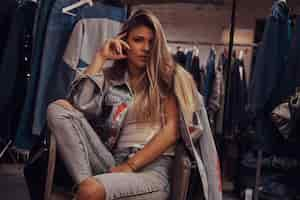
(146, 46)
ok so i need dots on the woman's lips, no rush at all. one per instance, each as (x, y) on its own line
(144, 58)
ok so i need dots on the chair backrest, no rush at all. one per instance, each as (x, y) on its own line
(186, 183)
(181, 174)
(51, 167)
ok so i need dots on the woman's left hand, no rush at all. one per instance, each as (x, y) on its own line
(124, 167)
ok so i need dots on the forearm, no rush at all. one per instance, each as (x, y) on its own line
(96, 66)
(164, 139)
(86, 92)
(151, 151)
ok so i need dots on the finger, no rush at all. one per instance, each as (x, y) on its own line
(109, 42)
(116, 56)
(119, 57)
(119, 47)
(121, 35)
(115, 51)
(122, 57)
(125, 44)
(113, 47)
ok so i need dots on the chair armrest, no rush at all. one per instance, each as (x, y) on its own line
(181, 173)
(51, 167)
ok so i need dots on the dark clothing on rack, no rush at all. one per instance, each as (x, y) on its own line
(7, 9)
(290, 78)
(235, 117)
(222, 67)
(276, 75)
(195, 72)
(237, 120)
(202, 80)
(270, 63)
(210, 75)
(192, 64)
(197, 75)
(39, 31)
(59, 28)
(15, 67)
(223, 61)
(180, 58)
(188, 61)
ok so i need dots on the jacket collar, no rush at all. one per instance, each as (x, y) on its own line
(122, 81)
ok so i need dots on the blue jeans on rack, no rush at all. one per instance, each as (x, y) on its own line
(39, 30)
(59, 28)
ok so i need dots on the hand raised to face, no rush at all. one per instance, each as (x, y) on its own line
(114, 48)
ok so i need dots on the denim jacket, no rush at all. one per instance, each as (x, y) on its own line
(105, 104)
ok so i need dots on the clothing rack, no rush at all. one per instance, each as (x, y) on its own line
(137, 2)
(198, 43)
(6, 149)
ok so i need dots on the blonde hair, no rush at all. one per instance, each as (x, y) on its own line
(188, 97)
(157, 80)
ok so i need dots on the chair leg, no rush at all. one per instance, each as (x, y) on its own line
(51, 167)
(258, 174)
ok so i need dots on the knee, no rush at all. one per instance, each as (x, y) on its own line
(53, 111)
(57, 111)
(90, 189)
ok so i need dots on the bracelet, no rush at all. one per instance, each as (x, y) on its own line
(131, 165)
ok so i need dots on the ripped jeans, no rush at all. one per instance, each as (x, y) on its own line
(85, 155)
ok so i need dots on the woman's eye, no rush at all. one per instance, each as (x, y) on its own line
(138, 39)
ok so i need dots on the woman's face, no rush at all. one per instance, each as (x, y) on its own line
(140, 40)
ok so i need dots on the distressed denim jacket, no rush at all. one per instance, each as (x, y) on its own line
(105, 104)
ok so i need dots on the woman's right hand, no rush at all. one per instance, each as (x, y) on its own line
(114, 48)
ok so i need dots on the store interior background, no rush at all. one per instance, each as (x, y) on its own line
(206, 22)
(210, 23)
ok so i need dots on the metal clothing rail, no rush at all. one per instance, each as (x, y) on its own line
(201, 2)
(212, 43)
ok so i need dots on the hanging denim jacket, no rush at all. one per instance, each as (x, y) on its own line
(269, 68)
(105, 104)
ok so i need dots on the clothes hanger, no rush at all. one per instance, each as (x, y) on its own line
(213, 48)
(194, 50)
(241, 55)
(186, 50)
(197, 52)
(66, 10)
(283, 4)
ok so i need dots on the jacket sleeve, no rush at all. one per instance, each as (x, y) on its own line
(210, 158)
(87, 94)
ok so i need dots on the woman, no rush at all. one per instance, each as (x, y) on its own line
(117, 130)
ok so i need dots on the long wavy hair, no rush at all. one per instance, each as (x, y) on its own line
(157, 81)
